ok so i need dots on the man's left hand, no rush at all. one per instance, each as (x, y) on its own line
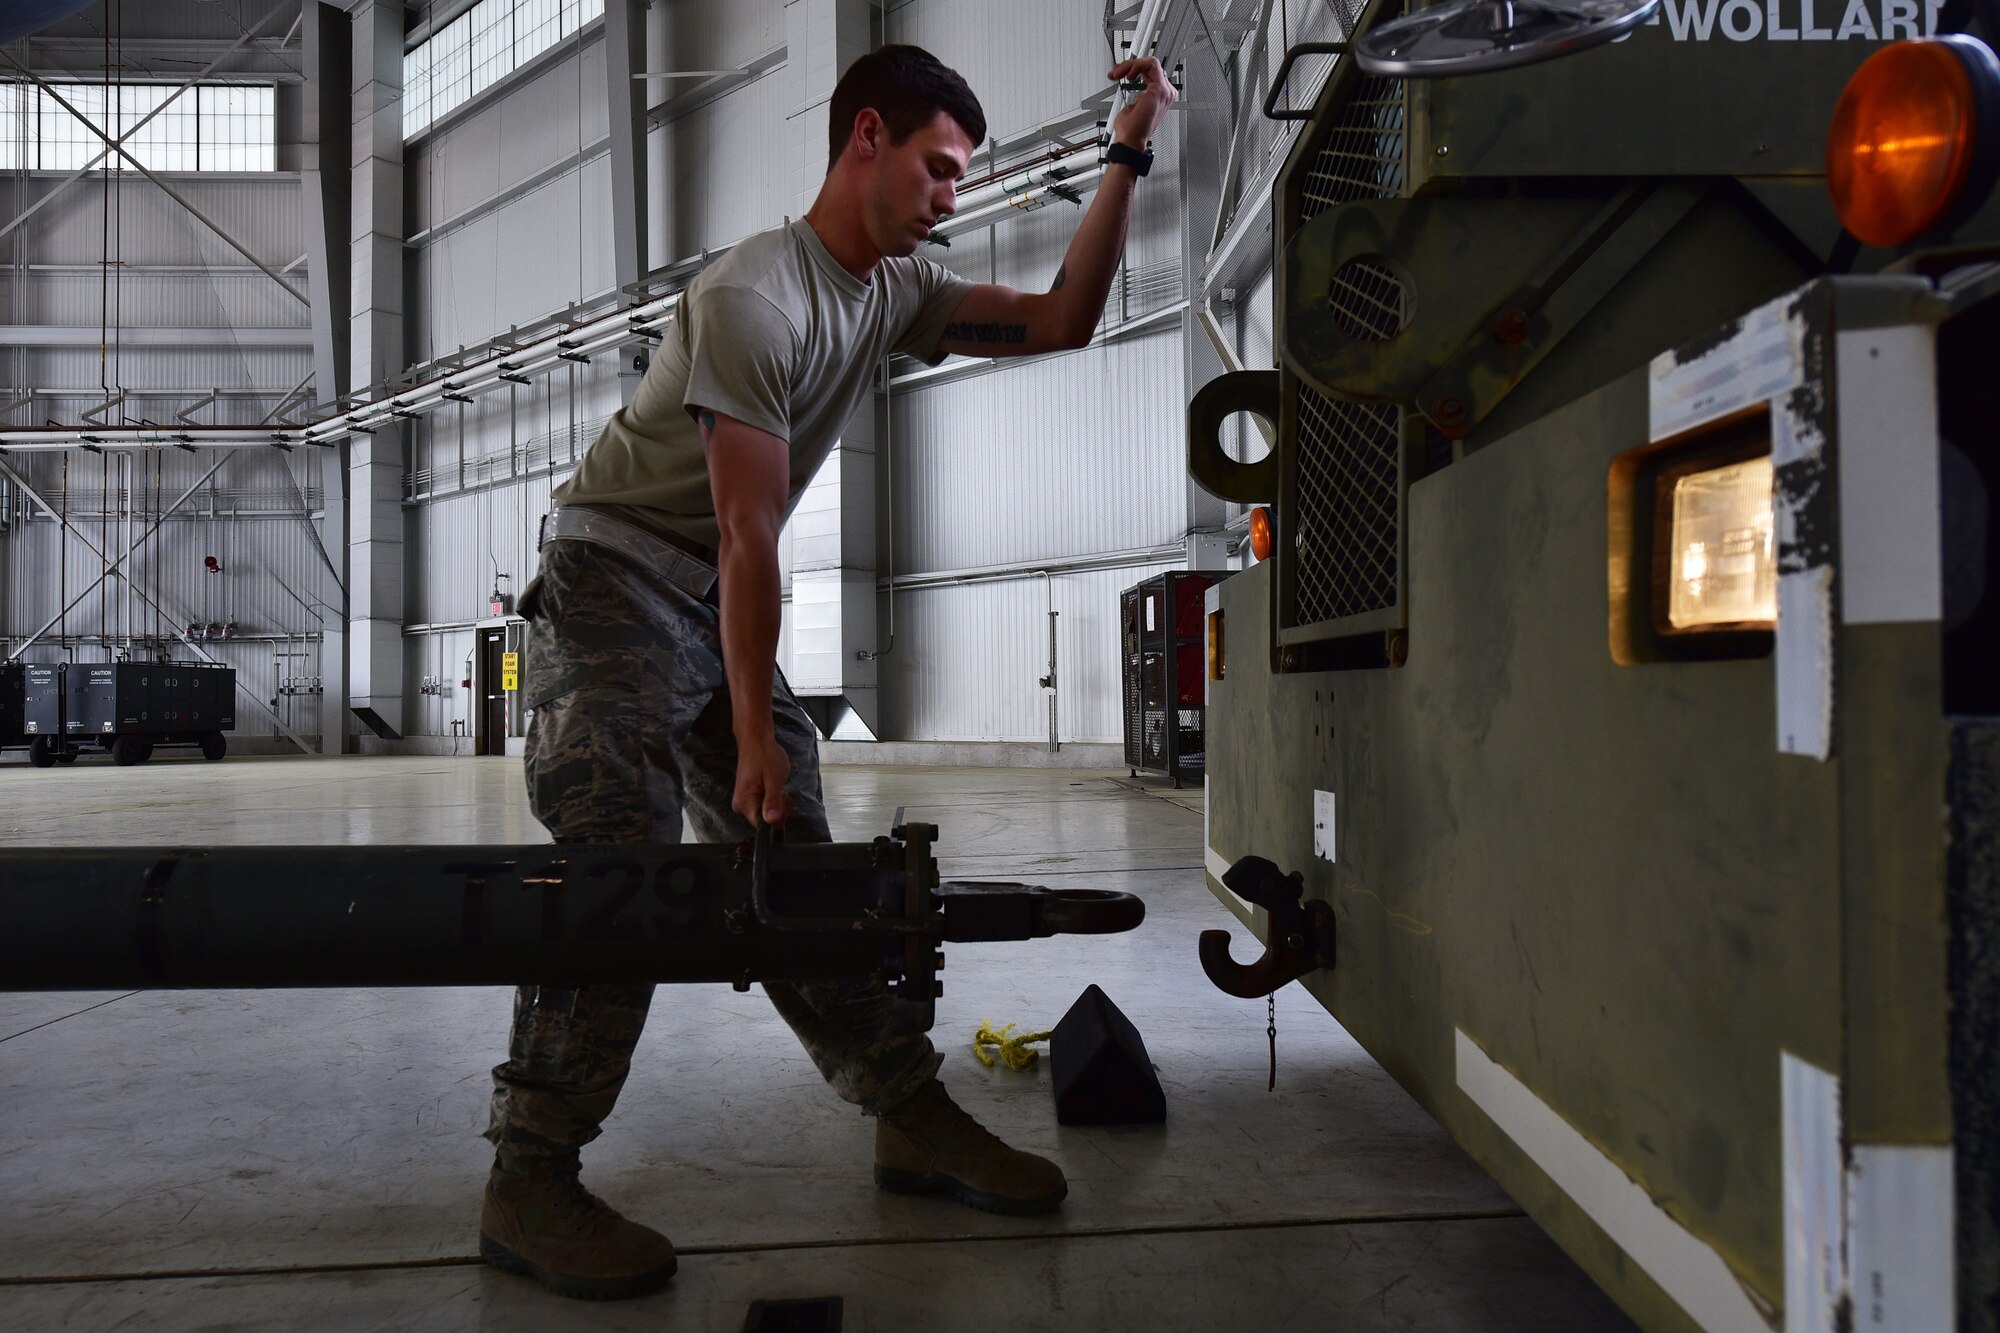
(1141, 117)
(1136, 121)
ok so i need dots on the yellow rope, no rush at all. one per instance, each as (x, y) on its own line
(1013, 1049)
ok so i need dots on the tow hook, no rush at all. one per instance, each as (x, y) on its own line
(1300, 938)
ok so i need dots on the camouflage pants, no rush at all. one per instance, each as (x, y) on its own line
(632, 730)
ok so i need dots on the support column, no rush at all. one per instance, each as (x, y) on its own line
(624, 59)
(1204, 144)
(833, 530)
(326, 153)
(376, 355)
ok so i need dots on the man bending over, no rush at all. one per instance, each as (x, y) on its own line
(654, 630)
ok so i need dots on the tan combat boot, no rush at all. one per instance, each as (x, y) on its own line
(541, 1222)
(928, 1145)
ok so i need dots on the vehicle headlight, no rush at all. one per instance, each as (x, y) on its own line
(1722, 567)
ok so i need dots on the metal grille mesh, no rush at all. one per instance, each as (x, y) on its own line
(1345, 561)
(1368, 301)
(1363, 156)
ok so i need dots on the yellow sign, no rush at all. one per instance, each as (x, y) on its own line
(510, 671)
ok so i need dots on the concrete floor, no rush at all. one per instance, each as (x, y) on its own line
(215, 1160)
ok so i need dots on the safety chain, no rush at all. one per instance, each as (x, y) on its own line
(1271, 1031)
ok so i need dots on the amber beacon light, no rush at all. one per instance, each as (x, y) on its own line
(1912, 149)
(1263, 536)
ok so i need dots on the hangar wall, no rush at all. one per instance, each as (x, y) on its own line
(109, 285)
(1006, 485)
(1064, 461)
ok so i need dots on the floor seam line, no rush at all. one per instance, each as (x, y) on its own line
(1096, 870)
(66, 1017)
(776, 1247)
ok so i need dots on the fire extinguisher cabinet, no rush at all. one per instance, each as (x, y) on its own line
(1165, 674)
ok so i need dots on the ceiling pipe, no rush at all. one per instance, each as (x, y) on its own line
(1033, 195)
(1058, 169)
(1014, 192)
(577, 343)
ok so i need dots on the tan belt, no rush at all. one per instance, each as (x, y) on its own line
(642, 546)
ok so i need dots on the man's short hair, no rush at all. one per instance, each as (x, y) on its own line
(907, 86)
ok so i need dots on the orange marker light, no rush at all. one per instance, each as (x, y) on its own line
(1902, 141)
(1263, 534)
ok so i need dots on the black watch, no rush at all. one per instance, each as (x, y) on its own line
(1118, 155)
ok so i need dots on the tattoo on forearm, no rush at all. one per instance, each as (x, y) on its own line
(1062, 276)
(1014, 334)
(707, 420)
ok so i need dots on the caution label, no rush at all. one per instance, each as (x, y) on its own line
(510, 671)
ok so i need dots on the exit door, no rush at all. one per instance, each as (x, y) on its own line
(492, 691)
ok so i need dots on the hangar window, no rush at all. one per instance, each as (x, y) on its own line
(481, 47)
(210, 127)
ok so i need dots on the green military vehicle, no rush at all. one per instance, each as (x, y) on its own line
(1609, 735)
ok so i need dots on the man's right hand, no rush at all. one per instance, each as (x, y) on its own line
(761, 773)
(747, 474)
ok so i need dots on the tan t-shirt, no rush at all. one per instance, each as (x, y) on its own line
(778, 335)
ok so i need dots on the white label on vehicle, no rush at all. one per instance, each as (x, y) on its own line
(1899, 1205)
(1803, 663)
(1762, 358)
(1889, 563)
(1323, 825)
(1815, 1236)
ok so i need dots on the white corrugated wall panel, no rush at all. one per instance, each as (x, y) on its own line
(454, 280)
(443, 655)
(199, 368)
(534, 123)
(1062, 456)
(262, 212)
(519, 263)
(595, 263)
(1025, 60)
(968, 660)
(458, 544)
(713, 34)
(710, 189)
(180, 300)
(448, 557)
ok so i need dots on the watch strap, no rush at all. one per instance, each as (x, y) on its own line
(1120, 155)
